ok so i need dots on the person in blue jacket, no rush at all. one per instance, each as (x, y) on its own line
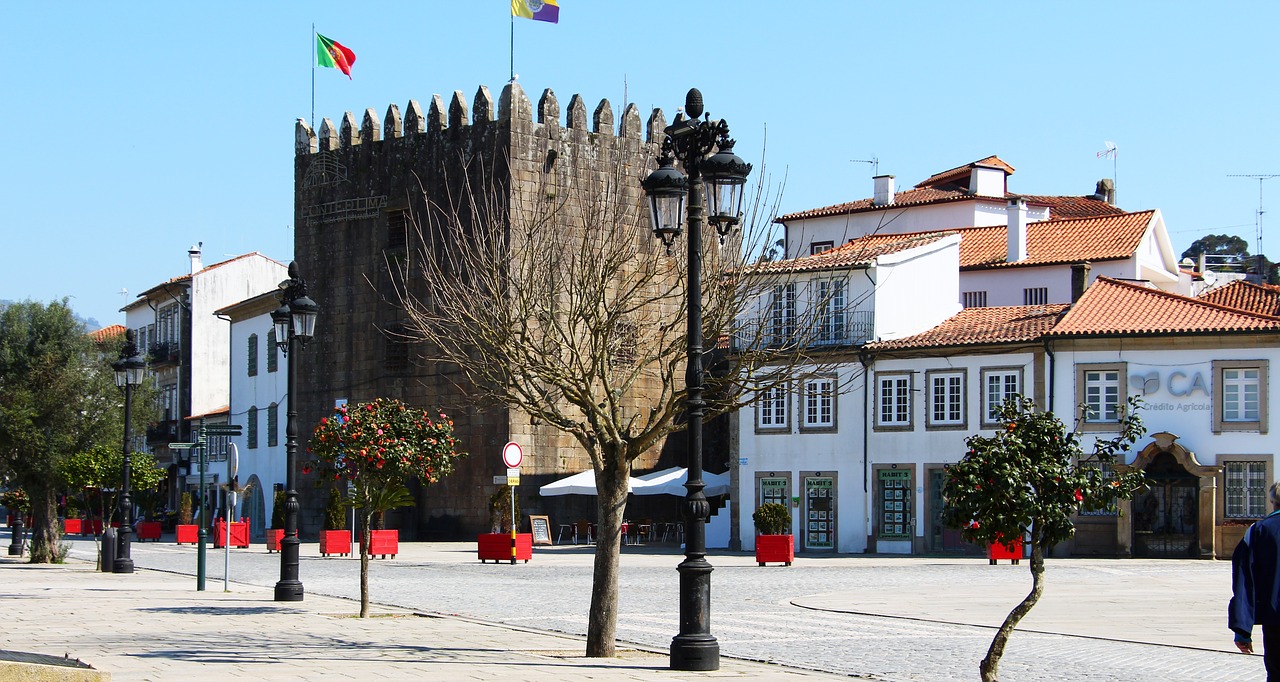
(1255, 587)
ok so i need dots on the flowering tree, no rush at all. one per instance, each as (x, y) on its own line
(1028, 480)
(377, 446)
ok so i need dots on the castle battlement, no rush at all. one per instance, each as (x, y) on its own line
(513, 112)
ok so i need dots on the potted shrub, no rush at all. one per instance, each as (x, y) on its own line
(335, 538)
(774, 544)
(276, 532)
(186, 530)
(496, 545)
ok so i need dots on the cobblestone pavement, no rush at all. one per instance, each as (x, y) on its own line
(876, 618)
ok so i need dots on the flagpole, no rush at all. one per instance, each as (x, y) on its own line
(513, 47)
(313, 76)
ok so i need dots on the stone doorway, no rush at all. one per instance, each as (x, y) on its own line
(1173, 518)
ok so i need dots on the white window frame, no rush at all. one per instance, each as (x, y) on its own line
(894, 387)
(829, 299)
(1094, 383)
(818, 403)
(782, 314)
(772, 410)
(955, 410)
(991, 403)
(1230, 390)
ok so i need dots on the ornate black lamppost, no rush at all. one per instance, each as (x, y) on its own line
(295, 323)
(691, 141)
(129, 370)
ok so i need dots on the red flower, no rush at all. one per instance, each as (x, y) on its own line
(1079, 495)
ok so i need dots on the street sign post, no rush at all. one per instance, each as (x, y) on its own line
(512, 455)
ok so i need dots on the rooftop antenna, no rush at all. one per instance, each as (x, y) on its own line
(1111, 152)
(875, 164)
(1261, 178)
(124, 293)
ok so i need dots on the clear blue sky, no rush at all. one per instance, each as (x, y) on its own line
(134, 130)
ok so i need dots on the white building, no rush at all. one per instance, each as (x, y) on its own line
(259, 404)
(187, 348)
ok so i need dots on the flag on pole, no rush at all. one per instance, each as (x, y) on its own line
(333, 54)
(538, 10)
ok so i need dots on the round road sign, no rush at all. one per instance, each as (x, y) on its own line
(512, 455)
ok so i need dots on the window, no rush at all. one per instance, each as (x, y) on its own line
(893, 402)
(1240, 395)
(251, 432)
(819, 403)
(1246, 489)
(273, 352)
(1036, 296)
(398, 225)
(1101, 389)
(998, 385)
(771, 409)
(829, 301)
(252, 362)
(782, 314)
(946, 399)
(272, 425)
(895, 504)
(974, 299)
(819, 247)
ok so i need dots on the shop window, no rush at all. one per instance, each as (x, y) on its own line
(998, 385)
(946, 399)
(893, 401)
(1101, 389)
(771, 409)
(1245, 489)
(819, 511)
(819, 400)
(894, 504)
(1240, 395)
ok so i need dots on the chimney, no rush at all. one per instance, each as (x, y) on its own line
(883, 191)
(1079, 280)
(194, 254)
(1106, 191)
(1017, 210)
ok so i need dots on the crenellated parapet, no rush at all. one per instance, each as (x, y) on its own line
(479, 118)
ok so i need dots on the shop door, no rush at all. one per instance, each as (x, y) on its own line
(819, 512)
(1165, 515)
(941, 538)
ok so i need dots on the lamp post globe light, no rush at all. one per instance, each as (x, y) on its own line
(129, 370)
(692, 142)
(295, 324)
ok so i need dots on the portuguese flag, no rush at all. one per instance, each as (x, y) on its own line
(334, 54)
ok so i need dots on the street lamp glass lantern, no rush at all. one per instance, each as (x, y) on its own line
(282, 319)
(667, 189)
(724, 175)
(129, 371)
(304, 311)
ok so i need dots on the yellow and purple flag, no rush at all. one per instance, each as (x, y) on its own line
(538, 10)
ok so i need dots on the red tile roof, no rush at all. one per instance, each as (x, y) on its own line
(983, 326)
(960, 174)
(1262, 299)
(1051, 242)
(183, 278)
(854, 253)
(1116, 308)
(1063, 208)
(107, 333)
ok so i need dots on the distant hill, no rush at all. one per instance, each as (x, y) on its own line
(90, 324)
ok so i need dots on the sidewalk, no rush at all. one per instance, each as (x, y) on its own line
(152, 626)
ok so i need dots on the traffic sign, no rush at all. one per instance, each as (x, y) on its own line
(184, 446)
(224, 429)
(513, 477)
(512, 455)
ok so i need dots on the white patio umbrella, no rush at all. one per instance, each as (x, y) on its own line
(583, 483)
(671, 482)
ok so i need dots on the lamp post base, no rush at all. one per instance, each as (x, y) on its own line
(290, 590)
(122, 566)
(695, 652)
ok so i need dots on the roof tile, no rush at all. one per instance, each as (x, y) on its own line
(1262, 299)
(1112, 307)
(982, 326)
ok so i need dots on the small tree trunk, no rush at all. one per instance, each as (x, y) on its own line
(602, 622)
(44, 520)
(990, 666)
(366, 538)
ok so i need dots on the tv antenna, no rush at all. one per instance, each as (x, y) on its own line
(1111, 152)
(875, 164)
(1261, 178)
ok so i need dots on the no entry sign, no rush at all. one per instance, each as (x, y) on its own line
(512, 455)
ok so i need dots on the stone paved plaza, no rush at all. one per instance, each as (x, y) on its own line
(879, 618)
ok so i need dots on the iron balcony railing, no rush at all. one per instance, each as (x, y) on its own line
(817, 330)
(163, 352)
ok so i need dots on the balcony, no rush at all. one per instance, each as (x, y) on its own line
(849, 328)
(163, 353)
(162, 433)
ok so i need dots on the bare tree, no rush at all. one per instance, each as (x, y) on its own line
(554, 298)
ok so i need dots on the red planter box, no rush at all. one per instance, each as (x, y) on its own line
(383, 543)
(335, 542)
(497, 546)
(147, 530)
(775, 549)
(274, 536)
(998, 550)
(73, 526)
(239, 533)
(187, 532)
